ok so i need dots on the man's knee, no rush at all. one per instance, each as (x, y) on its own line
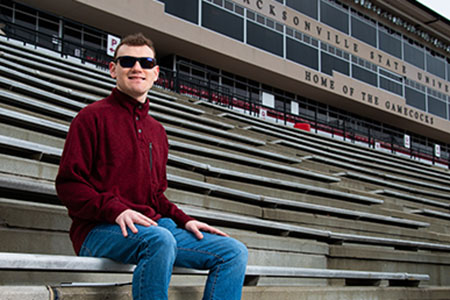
(159, 241)
(240, 251)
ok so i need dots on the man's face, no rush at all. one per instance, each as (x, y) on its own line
(134, 81)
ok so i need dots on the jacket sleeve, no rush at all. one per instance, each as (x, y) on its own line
(74, 184)
(165, 207)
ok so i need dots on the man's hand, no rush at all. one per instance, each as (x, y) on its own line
(195, 227)
(130, 217)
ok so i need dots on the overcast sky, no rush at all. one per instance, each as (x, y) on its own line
(442, 7)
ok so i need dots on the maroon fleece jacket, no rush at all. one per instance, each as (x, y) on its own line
(114, 159)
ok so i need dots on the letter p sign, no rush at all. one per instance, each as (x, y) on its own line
(113, 42)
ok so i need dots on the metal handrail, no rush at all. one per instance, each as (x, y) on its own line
(85, 52)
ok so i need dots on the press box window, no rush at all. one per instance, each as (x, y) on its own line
(390, 41)
(330, 63)
(364, 75)
(222, 21)
(307, 7)
(334, 17)
(415, 98)
(186, 9)
(414, 55)
(264, 38)
(364, 32)
(391, 86)
(437, 107)
(436, 65)
(302, 53)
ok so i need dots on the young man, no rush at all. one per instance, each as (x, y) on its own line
(112, 178)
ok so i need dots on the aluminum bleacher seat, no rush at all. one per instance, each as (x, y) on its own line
(60, 263)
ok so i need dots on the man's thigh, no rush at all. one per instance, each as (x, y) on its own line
(108, 241)
(204, 253)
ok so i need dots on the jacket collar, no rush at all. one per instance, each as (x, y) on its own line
(130, 104)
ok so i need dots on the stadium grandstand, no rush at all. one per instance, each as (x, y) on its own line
(315, 131)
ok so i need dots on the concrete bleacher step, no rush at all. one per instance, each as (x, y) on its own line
(314, 140)
(426, 181)
(181, 116)
(373, 183)
(209, 186)
(30, 136)
(228, 205)
(246, 160)
(24, 101)
(157, 98)
(30, 122)
(123, 292)
(432, 212)
(54, 75)
(376, 228)
(47, 56)
(39, 189)
(27, 167)
(91, 78)
(12, 210)
(56, 65)
(233, 206)
(50, 127)
(38, 151)
(337, 158)
(267, 170)
(45, 84)
(38, 93)
(209, 201)
(372, 257)
(278, 206)
(386, 183)
(318, 234)
(212, 140)
(285, 190)
(206, 128)
(31, 226)
(412, 198)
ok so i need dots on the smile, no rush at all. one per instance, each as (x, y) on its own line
(136, 78)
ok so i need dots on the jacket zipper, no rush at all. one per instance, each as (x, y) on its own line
(150, 155)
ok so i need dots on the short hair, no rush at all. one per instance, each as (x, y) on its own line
(136, 39)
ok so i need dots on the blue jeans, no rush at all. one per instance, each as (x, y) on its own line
(157, 249)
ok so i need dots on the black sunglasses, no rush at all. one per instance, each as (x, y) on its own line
(130, 61)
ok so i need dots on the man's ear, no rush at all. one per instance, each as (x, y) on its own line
(112, 69)
(157, 73)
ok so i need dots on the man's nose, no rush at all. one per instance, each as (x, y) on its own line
(137, 66)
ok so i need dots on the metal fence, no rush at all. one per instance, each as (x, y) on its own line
(60, 45)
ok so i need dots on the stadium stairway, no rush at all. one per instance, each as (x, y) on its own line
(322, 218)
